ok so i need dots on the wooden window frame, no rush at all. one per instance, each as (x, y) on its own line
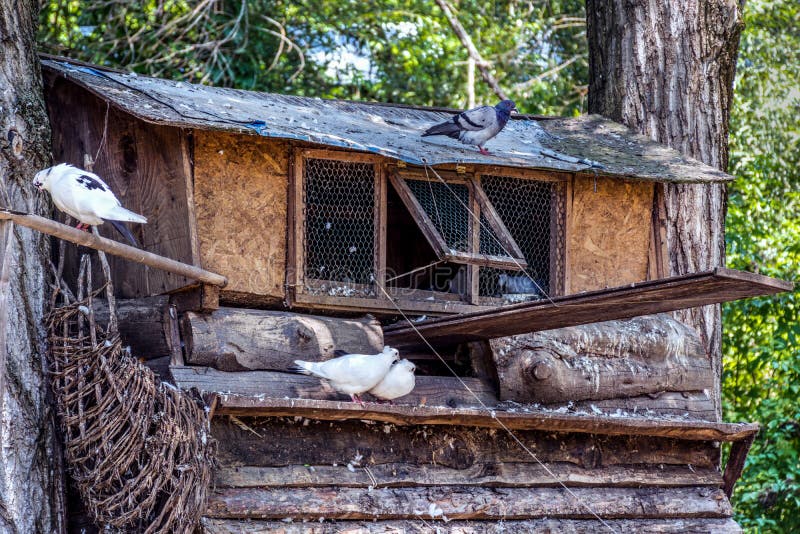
(560, 201)
(408, 300)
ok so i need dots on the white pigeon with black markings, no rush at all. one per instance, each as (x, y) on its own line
(84, 196)
(398, 382)
(351, 374)
(475, 126)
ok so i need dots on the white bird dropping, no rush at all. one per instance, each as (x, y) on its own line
(352, 374)
(398, 382)
(86, 197)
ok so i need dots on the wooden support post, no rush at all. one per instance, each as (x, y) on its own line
(202, 298)
(110, 246)
(733, 469)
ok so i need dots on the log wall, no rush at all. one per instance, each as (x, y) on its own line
(350, 471)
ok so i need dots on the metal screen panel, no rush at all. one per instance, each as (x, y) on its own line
(339, 237)
(525, 208)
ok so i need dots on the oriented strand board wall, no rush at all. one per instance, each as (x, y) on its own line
(609, 233)
(240, 186)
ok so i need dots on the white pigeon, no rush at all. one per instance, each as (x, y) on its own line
(398, 382)
(86, 197)
(475, 126)
(352, 374)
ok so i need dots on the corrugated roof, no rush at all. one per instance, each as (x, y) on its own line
(583, 144)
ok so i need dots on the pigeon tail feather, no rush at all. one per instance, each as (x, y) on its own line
(300, 367)
(118, 213)
(449, 128)
(125, 231)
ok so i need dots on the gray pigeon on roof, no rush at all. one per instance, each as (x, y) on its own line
(475, 126)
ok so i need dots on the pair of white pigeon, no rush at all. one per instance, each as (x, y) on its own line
(382, 375)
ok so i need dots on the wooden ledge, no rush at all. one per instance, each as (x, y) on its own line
(520, 419)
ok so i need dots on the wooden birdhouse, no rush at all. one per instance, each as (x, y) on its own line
(525, 274)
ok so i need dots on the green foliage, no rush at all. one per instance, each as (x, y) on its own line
(401, 51)
(761, 380)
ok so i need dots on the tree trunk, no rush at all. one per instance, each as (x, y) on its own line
(31, 481)
(666, 69)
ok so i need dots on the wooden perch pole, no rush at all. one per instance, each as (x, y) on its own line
(96, 242)
(481, 63)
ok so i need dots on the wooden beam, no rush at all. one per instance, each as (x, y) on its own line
(643, 298)
(242, 442)
(417, 526)
(501, 474)
(457, 502)
(430, 390)
(110, 246)
(521, 419)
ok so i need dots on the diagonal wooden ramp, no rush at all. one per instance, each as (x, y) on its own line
(643, 298)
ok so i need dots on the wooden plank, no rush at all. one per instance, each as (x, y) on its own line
(158, 189)
(396, 475)
(237, 339)
(425, 526)
(109, 246)
(273, 442)
(654, 296)
(341, 155)
(457, 502)
(522, 419)
(687, 404)
(380, 216)
(430, 390)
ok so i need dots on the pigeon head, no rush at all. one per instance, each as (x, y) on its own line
(406, 365)
(44, 178)
(393, 352)
(506, 106)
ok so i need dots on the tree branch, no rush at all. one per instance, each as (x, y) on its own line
(465, 39)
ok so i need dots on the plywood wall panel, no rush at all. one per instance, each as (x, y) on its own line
(240, 204)
(610, 228)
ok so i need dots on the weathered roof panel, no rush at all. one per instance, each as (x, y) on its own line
(583, 144)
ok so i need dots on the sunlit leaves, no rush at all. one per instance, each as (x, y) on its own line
(761, 381)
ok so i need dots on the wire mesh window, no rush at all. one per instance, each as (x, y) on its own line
(446, 205)
(339, 237)
(525, 206)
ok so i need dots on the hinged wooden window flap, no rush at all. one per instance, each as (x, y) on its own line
(457, 247)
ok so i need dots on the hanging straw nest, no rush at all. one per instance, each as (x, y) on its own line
(140, 450)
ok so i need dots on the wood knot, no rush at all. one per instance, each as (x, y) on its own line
(541, 370)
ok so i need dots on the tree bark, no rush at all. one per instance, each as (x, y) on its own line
(31, 479)
(666, 69)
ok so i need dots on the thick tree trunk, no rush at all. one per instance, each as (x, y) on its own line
(666, 69)
(30, 475)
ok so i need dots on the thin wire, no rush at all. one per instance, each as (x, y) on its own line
(490, 233)
(493, 414)
(437, 262)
